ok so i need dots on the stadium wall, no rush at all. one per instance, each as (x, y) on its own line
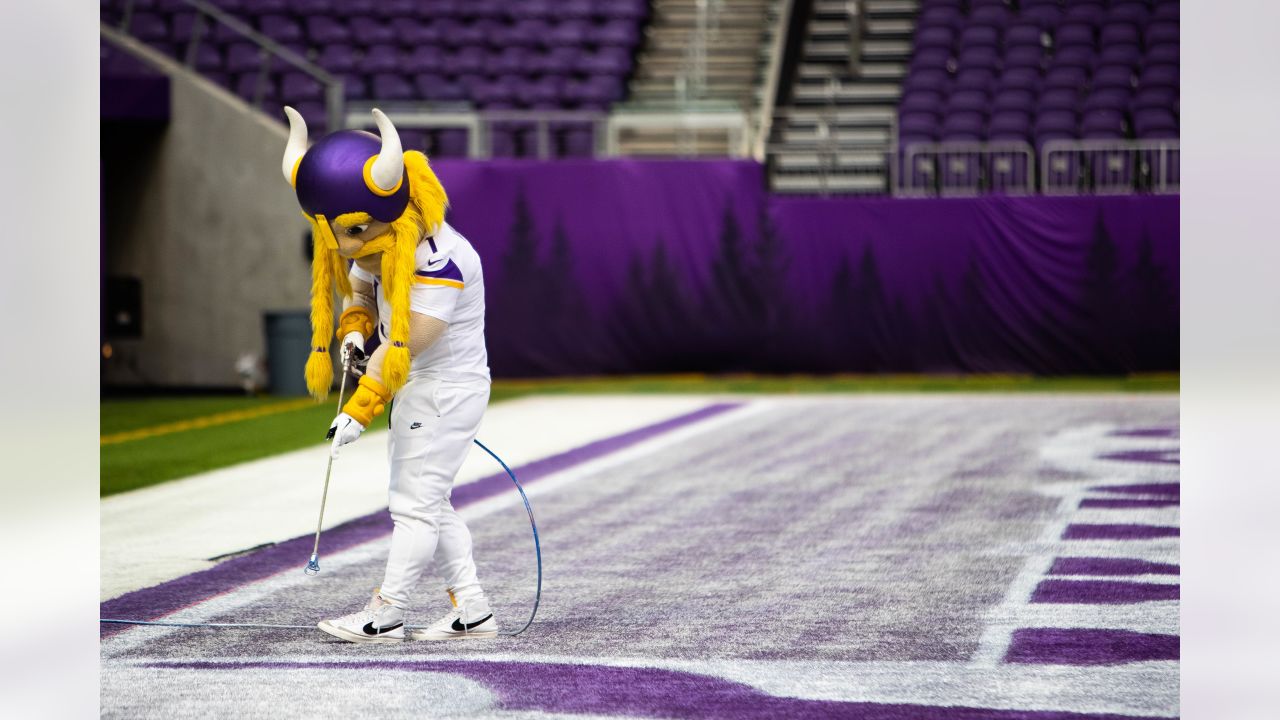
(198, 211)
(629, 266)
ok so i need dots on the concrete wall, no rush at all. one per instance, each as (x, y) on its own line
(212, 229)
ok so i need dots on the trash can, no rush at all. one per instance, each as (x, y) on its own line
(288, 344)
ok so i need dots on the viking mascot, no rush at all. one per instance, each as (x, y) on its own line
(377, 217)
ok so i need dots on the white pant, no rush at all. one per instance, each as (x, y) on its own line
(432, 425)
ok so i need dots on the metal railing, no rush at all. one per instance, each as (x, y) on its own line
(768, 98)
(689, 126)
(966, 168)
(1074, 167)
(207, 14)
(481, 125)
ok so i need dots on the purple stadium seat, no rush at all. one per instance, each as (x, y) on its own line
(393, 8)
(1019, 99)
(979, 36)
(422, 59)
(476, 34)
(975, 79)
(1073, 56)
(1071, 78)
(1163, 54)
(990, 15)
(1073, 34)
(1024, 34)
(296, 87)
(1166, 11)
(577, 9)
(1025, 78)
(1103, 124)
(326, 30)
(1112, 76)
(439, 89)
(148, 27)
(1134, 11)
(630, 9)
(922, 101)
(311, 8)
(392, 86)
(451, 143)
(1122, 55)
(1153, 98)
(1042, 16)
(983, 57)
(381, 58)
(1116, 99)
(337, 58)
(531, 9)
(1009, 125)
(931, 57)
(1118, 33)
(1055, 121)
(510, 60)
(559, 60)
(280, 28)
(983, 3)
(367, 31)
(1059, 99)
(256, 8)
(243, 57)
(916, 123)
(354, 86)
(1091, 14)
(607, 61)
(207, 58)
(1162, 32)
(541, 93)
(465, 60)
(960, 126)
(1165, 76)
(615, 32)
(968, 101)
(935, 37)
(1037, 3)
(313, 112)
(1024, 56)
(937, 80)
(948, 16)
(525, 32)
(246, 87)
(1154, 122)
(568, 32)
(416, 33)
(577, 143)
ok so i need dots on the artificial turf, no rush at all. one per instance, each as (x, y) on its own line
(135, 463)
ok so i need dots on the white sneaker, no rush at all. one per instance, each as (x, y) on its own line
(379, 621)
(459, 625)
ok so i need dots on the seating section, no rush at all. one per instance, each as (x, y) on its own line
(491, 54)
(1040, 70)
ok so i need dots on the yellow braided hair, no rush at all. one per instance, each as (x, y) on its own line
(427, 202)
(327, 270)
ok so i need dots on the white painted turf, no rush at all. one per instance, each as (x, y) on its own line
(213, 520)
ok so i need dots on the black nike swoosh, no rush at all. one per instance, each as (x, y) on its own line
(369, 629)
(460, 627)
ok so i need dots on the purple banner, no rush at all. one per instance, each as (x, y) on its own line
(686, 266)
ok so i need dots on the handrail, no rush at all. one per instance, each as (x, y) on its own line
(333, 86)
(768, 98)
(1163, 148)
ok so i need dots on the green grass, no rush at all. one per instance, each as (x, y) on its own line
(147, 461)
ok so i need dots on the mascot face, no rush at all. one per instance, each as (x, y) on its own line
(351, 184)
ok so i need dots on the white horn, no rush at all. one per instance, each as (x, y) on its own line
(297, 143)
(388, 169)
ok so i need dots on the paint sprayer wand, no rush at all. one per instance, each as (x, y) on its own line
(313, 565)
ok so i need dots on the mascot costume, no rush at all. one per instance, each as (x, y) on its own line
(377, 217)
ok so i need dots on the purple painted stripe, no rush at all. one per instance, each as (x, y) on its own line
(1085, 531)
(1128, 502)
(169, 597)
(1110, 566)
(1101, 592)
(1159, 457)
(652, 692)
(1156, 432)
(1088, 646)
(1162, 489)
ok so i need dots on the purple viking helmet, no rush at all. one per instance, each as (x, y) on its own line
(347, 171)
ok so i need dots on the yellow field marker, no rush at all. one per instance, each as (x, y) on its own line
(204, 422)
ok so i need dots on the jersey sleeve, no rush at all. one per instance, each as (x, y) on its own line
(359, 274)
(435, 292)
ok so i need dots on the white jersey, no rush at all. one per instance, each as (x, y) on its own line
(449, 286)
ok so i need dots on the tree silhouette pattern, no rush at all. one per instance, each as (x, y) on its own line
(745, 316)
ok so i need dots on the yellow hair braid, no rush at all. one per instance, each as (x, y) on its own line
(319, 369)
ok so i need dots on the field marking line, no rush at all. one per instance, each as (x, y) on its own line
(205, 421)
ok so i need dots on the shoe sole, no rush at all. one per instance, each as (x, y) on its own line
(488, 635)
(349, 636)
